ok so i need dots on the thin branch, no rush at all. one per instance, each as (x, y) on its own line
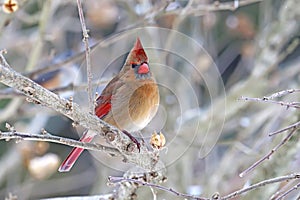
(261, 184)
(96, 197)
(281, 94)
(55, 66)
(287, 104)
(56, 139)
(121, 179)
(79, 87)
(288, 191)
(10, 93)
(216, 6)
(10, 109)
(283, 55)
(229, 196)
(267, 156)
(87, 57)
(36, 51)
(155, 13)
(293, 126)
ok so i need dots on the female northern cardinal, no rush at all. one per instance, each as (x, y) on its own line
(128, 102)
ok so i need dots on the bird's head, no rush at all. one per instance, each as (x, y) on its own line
(137, 62)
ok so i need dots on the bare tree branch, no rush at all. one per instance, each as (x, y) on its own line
(87, 57)
(287, 104)
(96, 197)
(229, 196)
(267, 156)
(261, 184)
(121, 179)
(281, 94)
(218, 6)
(55, 66)
(293, 126)
(10, 93)
(47, 137)
(288, 191)
(149, 16)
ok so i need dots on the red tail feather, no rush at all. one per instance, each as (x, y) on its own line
(75, 153)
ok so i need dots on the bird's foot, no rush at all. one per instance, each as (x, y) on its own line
(133, 139)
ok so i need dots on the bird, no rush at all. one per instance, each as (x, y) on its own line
(129, 101)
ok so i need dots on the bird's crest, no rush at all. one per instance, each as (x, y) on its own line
(137, 55)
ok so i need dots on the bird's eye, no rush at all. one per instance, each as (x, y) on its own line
(134, 66)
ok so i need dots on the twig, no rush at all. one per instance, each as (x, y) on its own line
(10, 109)
(59, 140)
(229, 196)
(80, 87)
(267, 156)
(280, 57)
(87, 57)
(156, 13)
(281, 94)
(55, 66)
(261, 184)
(36, 51)
(9, 162)
(295, 125)
(288, 191)
(96, 197)
(287, 104)
(10, 93)
(121, 179)
(217, 6)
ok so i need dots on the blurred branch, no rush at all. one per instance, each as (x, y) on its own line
(281, 94)
(286, 52)
(55, 66)
(35, 53)
(121, 179)
(10, 109)
(191, 9)
(266, 100)
(97, 197)
(157, 12)
(87, 57)
(276, 37)
(287, 192)
(218, 6)
(75, 58)
(293, 126)
(11, 160)
(266, 60)
(229, 196)
(10, 93)
(47, 137)
(261, 184)
(267, 156)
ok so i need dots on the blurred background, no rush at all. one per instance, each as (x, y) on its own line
(205, 54)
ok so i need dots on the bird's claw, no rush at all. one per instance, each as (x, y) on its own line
(133, 139)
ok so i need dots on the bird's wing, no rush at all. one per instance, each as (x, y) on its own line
(104, 100)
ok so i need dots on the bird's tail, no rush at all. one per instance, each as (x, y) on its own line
(75, 153)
